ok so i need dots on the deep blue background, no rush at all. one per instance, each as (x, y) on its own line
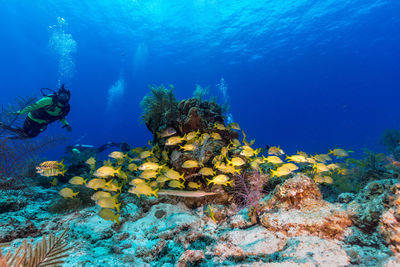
(301, 74)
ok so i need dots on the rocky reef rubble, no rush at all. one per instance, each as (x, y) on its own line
(294, 227)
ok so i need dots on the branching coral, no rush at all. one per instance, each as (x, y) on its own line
(159, 108)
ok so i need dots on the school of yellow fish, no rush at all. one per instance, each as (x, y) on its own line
(146, 170)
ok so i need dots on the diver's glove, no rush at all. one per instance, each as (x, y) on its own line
(69, 128)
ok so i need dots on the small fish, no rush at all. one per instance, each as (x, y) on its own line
(236, 162)
(68, 193)
(301, 153)
(290, 166)
(109, 203)
(109, 215)
(216, 136)
(338, 152)
(164, 155)
(100, 194)
(323, 179)
(273, 159)
(221, 179)
(167, 132)
(174, 175)
(194, 185)
(247, 151)
(211, 213)
(54, 182)
(275, 150)
(91, 162)
(132, 167)
(117, 155)
(393, 162)
(219, 126)
(296, 158)
(188, 147)
(143, 189)
(332, 166)
(145, 154)
(222, 167)
(245, 141)
(176, 184)
(113, 186)
(148, 174)
(77, 180)
(174, 140)
(322, 158)
(234, 126)
(162, 179)
(137, 181)
(191, 135)
(150, 166)
(96, 183)
(224, 151)
(51, 168)
(205, 171)
(234, 143)
(106, 171)
(190, 164)
(320, 167)
(281, 171)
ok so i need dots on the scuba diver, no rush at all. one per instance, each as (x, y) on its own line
(46, 110)
(90, 149)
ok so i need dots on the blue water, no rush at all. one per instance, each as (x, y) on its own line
(307, 75)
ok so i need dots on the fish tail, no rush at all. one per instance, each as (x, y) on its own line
(155, 192)
(116, 218)
(117, 206)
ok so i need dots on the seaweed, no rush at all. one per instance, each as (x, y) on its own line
(390, 139)
(159, 108)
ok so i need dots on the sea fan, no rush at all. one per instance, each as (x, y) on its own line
(16, 158)
(50, 252)
(248, 189)
(8, 114)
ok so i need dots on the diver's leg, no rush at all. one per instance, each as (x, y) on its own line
(32, 128)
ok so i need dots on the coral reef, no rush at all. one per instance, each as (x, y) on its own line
(296, 208)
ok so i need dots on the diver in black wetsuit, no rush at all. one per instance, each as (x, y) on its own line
(46, 110)
(79, 148)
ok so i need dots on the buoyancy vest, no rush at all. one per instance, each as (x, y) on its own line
(47, 113)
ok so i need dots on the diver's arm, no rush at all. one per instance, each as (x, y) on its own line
(45, 101)
(64, 122)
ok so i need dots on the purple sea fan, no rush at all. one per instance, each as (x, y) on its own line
(248, 188)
